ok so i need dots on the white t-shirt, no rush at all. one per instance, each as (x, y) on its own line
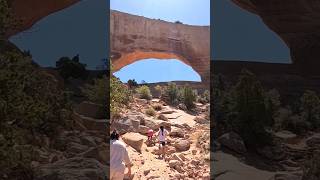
(118, 156)
(162, 137)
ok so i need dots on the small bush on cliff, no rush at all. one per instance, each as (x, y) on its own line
(205, 97)
(171, 93)
(157, 107)
(31, 105)
(188, 97)
(150, 112)
(251, 111)
(144, 92)
(98, 92)
(159, 90)
(132, 83)
(310, 108)
(120, 95)
(71, 68)
(29, 97)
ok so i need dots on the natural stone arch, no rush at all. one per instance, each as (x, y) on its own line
(28, 12)
(297, 24)
(134, 38)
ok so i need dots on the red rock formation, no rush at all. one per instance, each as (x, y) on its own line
(134, 38)
(297, 23)
(31, 11)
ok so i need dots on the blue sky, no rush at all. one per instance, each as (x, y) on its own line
(241, 35)
(192, 12)
(80, 29)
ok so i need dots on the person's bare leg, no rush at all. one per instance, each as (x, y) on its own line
(164, 152)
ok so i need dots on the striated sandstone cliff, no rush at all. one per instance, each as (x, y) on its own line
(134, 38)
(28, 12)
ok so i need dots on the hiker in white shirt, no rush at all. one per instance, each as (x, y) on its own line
(162, 134)
(119, 158)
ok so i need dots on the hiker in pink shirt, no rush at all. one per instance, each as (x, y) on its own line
(150, 134)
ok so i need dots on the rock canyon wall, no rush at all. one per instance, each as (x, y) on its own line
(28, 12)
(133, 38)
(297, 23)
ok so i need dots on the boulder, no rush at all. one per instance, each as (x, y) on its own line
(201, 120)
(176, 132)
(74, 168)
(162, 117)
(122, 126)
(182, 107)
(151, 123)
(176, 157)
(285, 176)
(286, 136)
(99, 153)
(90, 123)
(88, 141)
(314, 140)
(90, 109)
(134, 140)
(272, 152)
(75, 148)
(182, 145)
(171, 150)
(143, 130)
(233, 142)
(174, 163)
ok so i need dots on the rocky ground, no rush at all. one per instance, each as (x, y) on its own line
(188, 142)
(81, 153)
(284, 161)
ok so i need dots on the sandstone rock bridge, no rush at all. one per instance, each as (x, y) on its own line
(133, 38)
(295, 21)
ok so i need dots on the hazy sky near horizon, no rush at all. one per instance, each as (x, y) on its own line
(192, 12)
(79, 29)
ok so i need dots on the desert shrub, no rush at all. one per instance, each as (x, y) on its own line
(282, 119)
(132, 83)
(157, 107)
(189, 97)
(252, 116)
(120, 95)
(97, 92)
(159, 90)
(150, 112)
(32, 105)
(297, 124)
(71, 68)
(30, 98)
(311, 169)
(144, 92)
(205, 97)
(171, 92)
(310, 108)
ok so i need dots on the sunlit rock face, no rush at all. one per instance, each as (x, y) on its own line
(297, 23)
(28, 12)
(134, 38)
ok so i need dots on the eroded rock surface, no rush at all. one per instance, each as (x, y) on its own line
(135, 38)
